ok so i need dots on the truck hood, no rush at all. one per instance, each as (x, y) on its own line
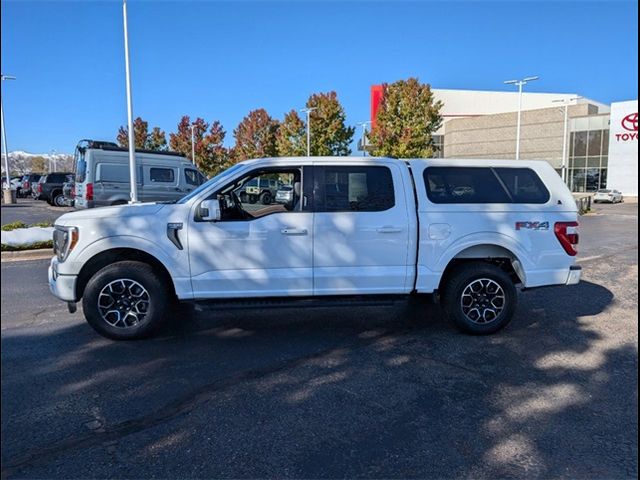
(136, 210)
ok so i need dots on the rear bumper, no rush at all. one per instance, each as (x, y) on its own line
(575, 273)
(62, 286)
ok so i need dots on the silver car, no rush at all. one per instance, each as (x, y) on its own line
(607, 195)
(284, 194)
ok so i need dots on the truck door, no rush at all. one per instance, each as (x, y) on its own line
(363, 230)
(255, 250)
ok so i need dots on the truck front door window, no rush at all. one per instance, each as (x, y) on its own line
(256, 195)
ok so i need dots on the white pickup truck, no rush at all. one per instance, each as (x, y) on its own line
(471, 232)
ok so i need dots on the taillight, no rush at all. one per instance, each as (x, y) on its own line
(39, 188)
(567, 234)
(73, 192)
(26, 185)
(88, 192)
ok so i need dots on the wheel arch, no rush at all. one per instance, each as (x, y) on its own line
(107, 257)
(492, 253)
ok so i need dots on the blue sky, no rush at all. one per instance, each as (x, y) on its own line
(219, 60)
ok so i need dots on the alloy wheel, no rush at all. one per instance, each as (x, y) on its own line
(482, 301)
(123, 303)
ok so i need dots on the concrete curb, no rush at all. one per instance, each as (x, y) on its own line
(25, 255)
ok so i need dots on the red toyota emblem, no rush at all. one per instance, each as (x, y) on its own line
(630, 122)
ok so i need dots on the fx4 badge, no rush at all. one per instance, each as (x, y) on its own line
(532, 225)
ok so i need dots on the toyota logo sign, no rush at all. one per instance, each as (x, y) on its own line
(630, 122)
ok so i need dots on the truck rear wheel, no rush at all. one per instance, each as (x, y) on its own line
(480, 298)
(126, 301)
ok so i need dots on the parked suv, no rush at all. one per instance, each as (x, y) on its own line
(69, 192)
(102, 175)
(260, 189)
(468, 232)
(49, 188)
(28, 182)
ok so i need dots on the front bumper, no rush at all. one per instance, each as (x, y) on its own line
(575, 272)
(62, 286)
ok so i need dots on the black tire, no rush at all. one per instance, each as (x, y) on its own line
(462, 281)
(253, 199)
(158, 294)
(58, 199)
(265, 198)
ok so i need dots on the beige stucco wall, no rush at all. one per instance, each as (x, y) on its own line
(494, 136)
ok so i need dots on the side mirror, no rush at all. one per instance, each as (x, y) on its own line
(209, 211)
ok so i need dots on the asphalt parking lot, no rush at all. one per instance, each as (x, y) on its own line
(31, 211)
(377, 391)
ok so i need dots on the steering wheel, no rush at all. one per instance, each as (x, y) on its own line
(236, 208)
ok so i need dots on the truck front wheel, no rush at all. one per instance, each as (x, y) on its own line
(126, 301)
(480, 298)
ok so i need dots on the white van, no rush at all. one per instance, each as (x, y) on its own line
(102, 175)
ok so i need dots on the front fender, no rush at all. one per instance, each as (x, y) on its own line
(170, 260)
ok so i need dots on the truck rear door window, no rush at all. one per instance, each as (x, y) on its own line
(464, 185)
(353, 189)
(523, 184)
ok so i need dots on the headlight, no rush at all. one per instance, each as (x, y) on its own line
(64, 239)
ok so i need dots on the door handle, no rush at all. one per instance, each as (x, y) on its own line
(388, 229)
(293, 231)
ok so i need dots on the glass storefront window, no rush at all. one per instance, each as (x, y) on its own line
(577, 179)
(594, 145)
(580, 147)
(593, 162)
(588, 154)
(593, 179)
(603, 178)
(579, 162)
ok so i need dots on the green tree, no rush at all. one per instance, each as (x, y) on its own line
(210, 154)
(291, 140)
(156, 140)
(406, 120)
(255, 136)
(329, 133)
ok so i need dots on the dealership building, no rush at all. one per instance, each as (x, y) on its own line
(590, 144)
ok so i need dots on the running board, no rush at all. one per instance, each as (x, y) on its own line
(302, 302)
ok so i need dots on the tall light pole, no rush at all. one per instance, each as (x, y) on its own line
(364, 136)
(4, 142)
(308, 112)
(520, 84)
(193, 145)
(53, 159)
(132, 144)
(563, 167)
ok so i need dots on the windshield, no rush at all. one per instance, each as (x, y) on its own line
(206, 185)
(604, 191)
